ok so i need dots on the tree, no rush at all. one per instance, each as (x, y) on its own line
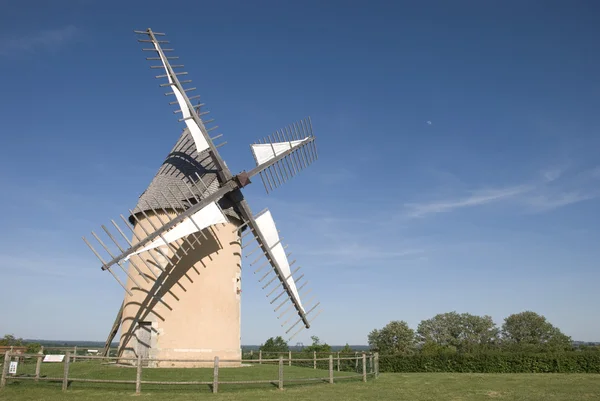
(316, 346)
(33, 348)
(346, 350)
(432, 348)
(11, 340)
(394, 338)
(443, 330)
(276, 344)
(479, 333)
(458, 332)
(528, 330)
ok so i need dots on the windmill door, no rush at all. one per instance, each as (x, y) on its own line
(143, 340)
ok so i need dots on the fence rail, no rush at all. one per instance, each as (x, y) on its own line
(367, 365)
(271, 357)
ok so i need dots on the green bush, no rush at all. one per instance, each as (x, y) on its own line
(499, 362)
(33, 348)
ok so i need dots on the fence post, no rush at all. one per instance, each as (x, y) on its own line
(364, 366)
(338, 361)
(5, 366)
(138, 375)
(330, 369)
(314, 359)
(356, 360)
(74, 353)
(280, 373)
(260, 357)
(38, 366)
(65, 382)
(376, 363)
(216, 376)
(289, 358)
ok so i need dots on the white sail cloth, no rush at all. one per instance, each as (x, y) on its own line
(199, 139)
(266, 225)
(263, 152)
(205, 217)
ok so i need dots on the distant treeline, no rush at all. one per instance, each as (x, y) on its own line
(9, 339)
(299, 348)
(60, 343)
(454, 333)
(444, 334)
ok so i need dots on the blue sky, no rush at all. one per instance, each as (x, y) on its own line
(458, 165)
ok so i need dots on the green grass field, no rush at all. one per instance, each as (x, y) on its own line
(392, 386)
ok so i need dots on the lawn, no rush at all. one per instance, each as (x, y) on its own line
(294, 376)
(391, 386)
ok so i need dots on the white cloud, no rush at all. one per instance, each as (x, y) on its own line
(552, 191)
(475, 199)
(322, 234)
(336, 176)
(47, 40)
(547, 202)
(552, 174)
(345, 254)
(37, 264)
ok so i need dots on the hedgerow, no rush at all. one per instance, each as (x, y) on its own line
(500, 362)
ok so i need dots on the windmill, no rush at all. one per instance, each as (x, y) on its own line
(183, 240)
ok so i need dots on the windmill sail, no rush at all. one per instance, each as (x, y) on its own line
(282, 155)
(203, 218)
(266, 225)
(186, 108)
(265, 152)
(282, 277)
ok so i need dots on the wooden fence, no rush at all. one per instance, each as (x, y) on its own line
(313, 359)
(78, 350)
(361, 361)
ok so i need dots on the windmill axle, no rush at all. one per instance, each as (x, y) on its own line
(242, 179)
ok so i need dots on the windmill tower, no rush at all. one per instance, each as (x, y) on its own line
(181, 245)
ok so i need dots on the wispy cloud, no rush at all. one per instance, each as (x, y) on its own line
(323, 235)
(552, 190)
(361, 234)
(476, 198)
(553, 173)
(41, 265)
(47, 40)
(542, 203)
(336, 176)
(348, 254)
